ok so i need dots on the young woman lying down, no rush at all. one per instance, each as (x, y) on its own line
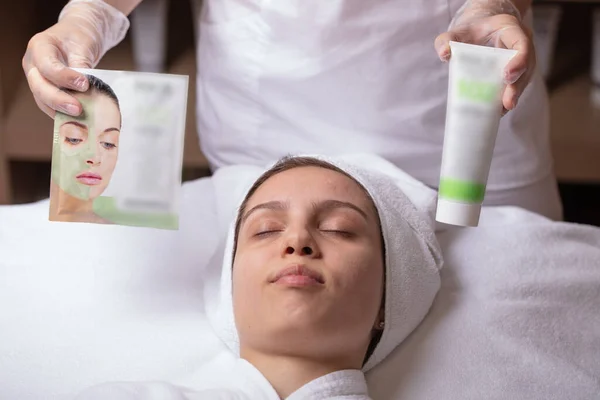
(328, 267)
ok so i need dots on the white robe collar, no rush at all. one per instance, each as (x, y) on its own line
(346, 384)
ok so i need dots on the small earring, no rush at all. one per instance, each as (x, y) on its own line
(381, 324)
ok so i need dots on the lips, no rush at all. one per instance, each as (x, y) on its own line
(89, 178)
(298, 275)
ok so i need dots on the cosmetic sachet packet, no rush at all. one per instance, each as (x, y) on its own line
(120, 161)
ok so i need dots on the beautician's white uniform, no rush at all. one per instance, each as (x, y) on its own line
(336, 76)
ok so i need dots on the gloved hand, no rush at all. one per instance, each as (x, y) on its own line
(495, 23)
(85, 31)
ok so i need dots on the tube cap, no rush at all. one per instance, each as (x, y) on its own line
(461, 214)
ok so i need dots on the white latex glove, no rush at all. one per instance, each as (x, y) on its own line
(85, 31)
(494, 23)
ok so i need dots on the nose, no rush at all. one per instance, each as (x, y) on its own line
(304, 251)
(301, 243)
(92, 156)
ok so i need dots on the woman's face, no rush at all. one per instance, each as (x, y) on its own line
(308, 269)
(87, 147)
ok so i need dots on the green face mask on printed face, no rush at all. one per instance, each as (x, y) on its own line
(73, 146)
(85, 148)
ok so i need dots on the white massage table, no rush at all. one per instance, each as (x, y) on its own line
(518, 315)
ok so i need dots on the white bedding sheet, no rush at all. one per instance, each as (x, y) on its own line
(82, 303)
(517, 316)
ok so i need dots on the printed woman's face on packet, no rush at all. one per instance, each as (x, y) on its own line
(120, 161)
(87, 147)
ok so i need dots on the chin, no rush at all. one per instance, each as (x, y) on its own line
(299, 322)
(297, 307)
(96, 192)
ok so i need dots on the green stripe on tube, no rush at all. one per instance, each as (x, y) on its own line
(462, 191)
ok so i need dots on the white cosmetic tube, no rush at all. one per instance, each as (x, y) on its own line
(476, 85)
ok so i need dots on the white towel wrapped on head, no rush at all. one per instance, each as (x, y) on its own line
(412, 257)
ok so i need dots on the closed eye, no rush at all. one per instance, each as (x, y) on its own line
(344, 234)
(266, 233)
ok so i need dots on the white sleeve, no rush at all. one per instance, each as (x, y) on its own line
(133, 391)
(161, 391)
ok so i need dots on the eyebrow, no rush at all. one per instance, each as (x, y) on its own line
(83, 126)
(79, 124)
(335, 204)
(270, 205)
(325, 205)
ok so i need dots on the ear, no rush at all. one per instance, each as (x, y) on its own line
(380, 321)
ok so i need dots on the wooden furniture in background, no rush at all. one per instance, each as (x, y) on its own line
(575, 132)
(16, 25)
(575, 117)
(5, 189)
